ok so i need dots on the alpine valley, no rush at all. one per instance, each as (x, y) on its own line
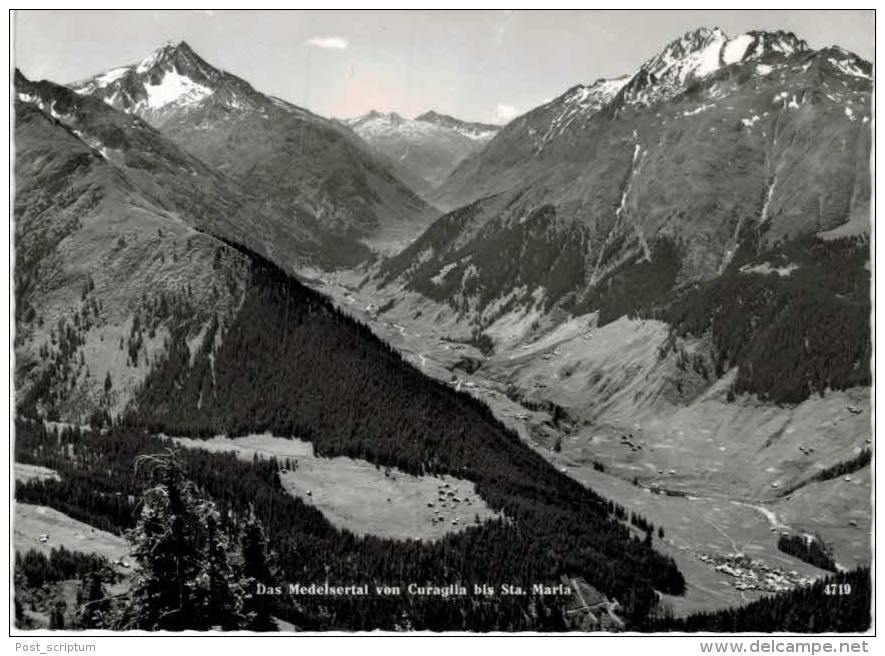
(614, 355)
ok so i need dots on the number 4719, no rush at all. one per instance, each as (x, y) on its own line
(837, 589)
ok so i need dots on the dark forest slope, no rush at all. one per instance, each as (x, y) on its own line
(292, 364)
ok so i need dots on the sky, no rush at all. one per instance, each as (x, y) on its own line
(477, 65)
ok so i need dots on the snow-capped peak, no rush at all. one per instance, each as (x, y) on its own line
(474, 131)
(374, 116)
(375, 123)
(702, 52)
(171, 78)
(178, 57)
(162, 53)
(693, 54)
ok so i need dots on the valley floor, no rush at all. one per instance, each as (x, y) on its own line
(716, 475)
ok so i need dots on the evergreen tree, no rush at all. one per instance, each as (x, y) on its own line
(256, 569)
(94, 604)
(57, 615)
(174, 580)
(220, 584)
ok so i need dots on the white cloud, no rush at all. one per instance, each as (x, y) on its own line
(505, 113)
(328, 42)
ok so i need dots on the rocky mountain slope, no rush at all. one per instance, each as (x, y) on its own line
(723, 188)
(109, 243)
(711, 144)
(429, 146)
(315, 174)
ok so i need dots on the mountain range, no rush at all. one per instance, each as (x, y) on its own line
(428, 147)
(712, 144)
(306, 169)
(635, 287)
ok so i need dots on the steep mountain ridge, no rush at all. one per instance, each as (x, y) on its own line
(168, 176)
(172, 78)
(428, 146)
(701, 53)
(309, 170)
(674, 168)
(107, 247)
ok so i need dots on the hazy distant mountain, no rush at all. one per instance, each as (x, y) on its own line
(293, 162)
(429, 146)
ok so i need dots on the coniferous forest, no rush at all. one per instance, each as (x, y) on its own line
(779, 328)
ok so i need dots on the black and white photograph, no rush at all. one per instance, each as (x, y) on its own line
(442, 322)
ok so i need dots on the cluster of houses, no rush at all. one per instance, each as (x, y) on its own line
(447, 499)
(751, 574)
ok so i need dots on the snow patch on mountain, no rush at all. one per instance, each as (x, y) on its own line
(580, 102)
(734, 50)
(175, 88)
(849, 68)
(767, 269)
(480, 132)
(103, 80)
(701, 53)
(697, 110)
(43, 105)
(694, 54)
(427, 125)
(172, 77)
(443, 272)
